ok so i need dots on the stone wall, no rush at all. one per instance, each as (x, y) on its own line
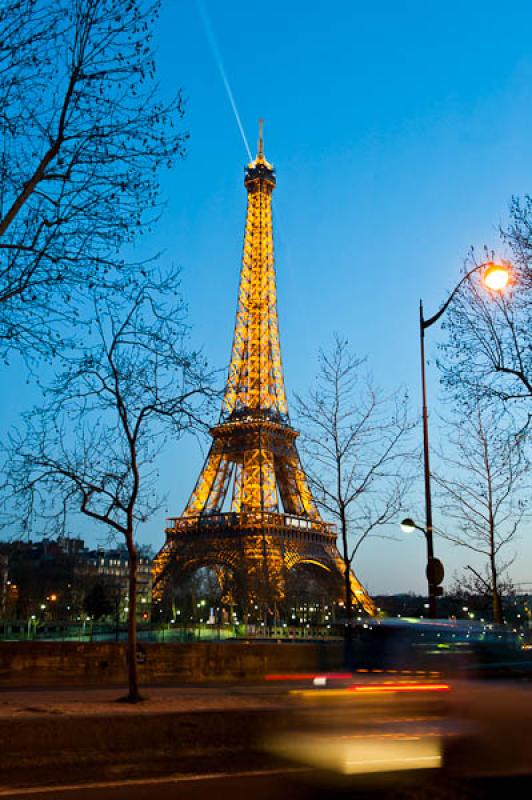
(71, 663)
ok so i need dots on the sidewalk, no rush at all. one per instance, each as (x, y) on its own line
(58, 736)
(18, 703)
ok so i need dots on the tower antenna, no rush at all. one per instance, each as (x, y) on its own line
(261, 142)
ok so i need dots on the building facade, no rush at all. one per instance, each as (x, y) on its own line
(51, 579)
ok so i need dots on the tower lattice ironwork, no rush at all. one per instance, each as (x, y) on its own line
(252, 511)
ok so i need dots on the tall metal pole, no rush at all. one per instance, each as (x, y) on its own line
(426, 464)
(432, 563)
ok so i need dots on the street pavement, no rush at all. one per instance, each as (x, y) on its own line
(216, 730)
(259, 784)
(52, 736)
(282, 784)
(91, 701)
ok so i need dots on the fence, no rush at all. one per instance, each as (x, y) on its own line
(87, 631)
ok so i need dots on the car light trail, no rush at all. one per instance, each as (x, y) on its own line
(372, 689)
(386, 688)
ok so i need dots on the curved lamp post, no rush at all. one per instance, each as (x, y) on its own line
(495, 277)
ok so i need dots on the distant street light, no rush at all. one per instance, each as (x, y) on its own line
(495, 277)
(434, 570)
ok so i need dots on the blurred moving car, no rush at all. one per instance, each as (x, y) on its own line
(447, 646)
(412, 705)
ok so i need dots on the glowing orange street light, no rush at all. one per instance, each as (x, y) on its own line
(496, 276)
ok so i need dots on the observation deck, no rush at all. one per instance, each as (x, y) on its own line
(268, 521)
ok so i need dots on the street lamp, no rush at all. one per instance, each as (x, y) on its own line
(495, 277)
(434, 566)
(408, 525)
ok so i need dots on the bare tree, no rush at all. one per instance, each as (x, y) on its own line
(355, 438)
(474, 587)
(83, 136)
(488, 355)
(91, 448)
(483, 479)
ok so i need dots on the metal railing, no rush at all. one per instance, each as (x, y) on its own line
(168, 632)
(252, 519)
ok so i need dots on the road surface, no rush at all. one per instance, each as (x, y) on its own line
(258, 784)
(273, 785)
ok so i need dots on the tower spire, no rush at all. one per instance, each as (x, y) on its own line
(260, 153)
(255, 382)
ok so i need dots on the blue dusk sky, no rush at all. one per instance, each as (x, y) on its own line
(399, 132)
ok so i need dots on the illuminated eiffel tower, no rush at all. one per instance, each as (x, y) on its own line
(252, 512)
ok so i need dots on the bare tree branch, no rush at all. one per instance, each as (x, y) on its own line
(355, 439)
(483, 488)
(91, 448)
(84, 135)
(488, 354)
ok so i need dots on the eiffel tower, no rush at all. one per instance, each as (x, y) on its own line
(252, 512)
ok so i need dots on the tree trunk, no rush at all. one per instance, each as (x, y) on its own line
(497, 607)
(347, 575)
(495, 594)
(133, 694)
(117, 614)
(348, 631)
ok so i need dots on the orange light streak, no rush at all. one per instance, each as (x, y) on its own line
(387, 688)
